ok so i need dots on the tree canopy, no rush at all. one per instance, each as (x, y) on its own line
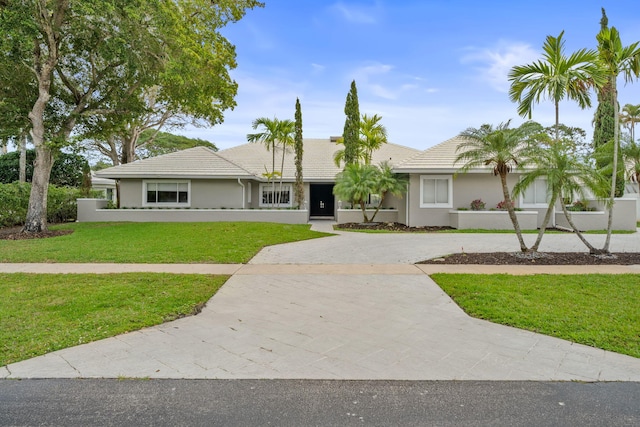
(86, 67)
(351, 133)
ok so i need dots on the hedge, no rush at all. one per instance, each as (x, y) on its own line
(14, 201)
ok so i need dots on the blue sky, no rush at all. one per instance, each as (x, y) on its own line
(430, 68)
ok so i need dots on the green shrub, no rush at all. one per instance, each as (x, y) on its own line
(61, 203)
(14, 199)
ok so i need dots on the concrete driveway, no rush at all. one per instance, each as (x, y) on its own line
(350, 306)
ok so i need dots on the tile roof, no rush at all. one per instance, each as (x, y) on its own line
(317, 159)
(439, 158)
(249, 160)
(197, 162)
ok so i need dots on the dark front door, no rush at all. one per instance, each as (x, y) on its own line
(322, 200)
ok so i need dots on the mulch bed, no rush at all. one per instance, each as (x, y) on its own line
(15, 233)
(388, 226)
(540, 258)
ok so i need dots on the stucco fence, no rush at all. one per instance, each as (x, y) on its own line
(492, 220)
(94, 210)
(624, 216)
(344, 216)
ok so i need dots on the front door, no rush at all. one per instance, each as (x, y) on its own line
(322, 200)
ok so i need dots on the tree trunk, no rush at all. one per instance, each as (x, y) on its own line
(567, 215)
(284, 149)
(614, 174)
(363, 207)
(382, 196)
(36, 220)
(129, 147)
(512, 212)
(23, 159)
(545, 221)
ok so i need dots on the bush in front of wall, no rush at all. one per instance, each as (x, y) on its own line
(477, 205)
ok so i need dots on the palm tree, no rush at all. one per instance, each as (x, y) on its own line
(555, 77)
(630, 116)
(388, 183)
(616, 59)
(372, 135)
(269, 137)
(566, 177)
(286, 138)
(501, 148)
(355, 183)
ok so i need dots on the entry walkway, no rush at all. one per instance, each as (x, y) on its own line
(339, 320)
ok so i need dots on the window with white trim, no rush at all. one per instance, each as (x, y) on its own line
(280, 198)
(537, 194)
(436, 191)
(166, 193)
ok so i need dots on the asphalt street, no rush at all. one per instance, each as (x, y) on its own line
(124, 402)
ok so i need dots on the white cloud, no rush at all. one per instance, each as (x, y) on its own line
(495, 62)
(357, 14)
(318, 68)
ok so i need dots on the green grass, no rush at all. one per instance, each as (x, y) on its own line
(40, 313)
(596, 309)
(219, 242)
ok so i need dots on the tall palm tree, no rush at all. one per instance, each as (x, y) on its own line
(502, 149)
(372, 135)
(286, 139)
(566, 175)
(269, 137)
(630, 116)
(555, 77)
(616, 59)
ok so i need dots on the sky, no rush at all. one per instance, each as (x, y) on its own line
(431, 69)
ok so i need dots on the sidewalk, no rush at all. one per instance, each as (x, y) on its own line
(319, 319)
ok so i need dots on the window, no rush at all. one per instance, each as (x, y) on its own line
(536, 194)
(158, 193)
(280, 198)
(436, 191)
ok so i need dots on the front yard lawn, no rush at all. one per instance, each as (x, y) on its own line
(148, 243)
(598, 310)
(40, 313)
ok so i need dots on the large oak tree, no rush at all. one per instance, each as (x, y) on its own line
(90, 63)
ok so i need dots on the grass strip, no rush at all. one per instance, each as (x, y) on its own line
(598, 310)
(40, 313)
(148, 243)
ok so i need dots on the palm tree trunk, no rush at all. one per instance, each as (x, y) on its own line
(567, 215)
(273, 170)
(614, 174)
(281, 173)
(512, 212)
(545, 221)
(363, 207)
(382, 196)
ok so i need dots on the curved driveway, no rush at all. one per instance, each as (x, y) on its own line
(363, 313)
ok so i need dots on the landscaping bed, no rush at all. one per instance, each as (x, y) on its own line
(540, 258)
